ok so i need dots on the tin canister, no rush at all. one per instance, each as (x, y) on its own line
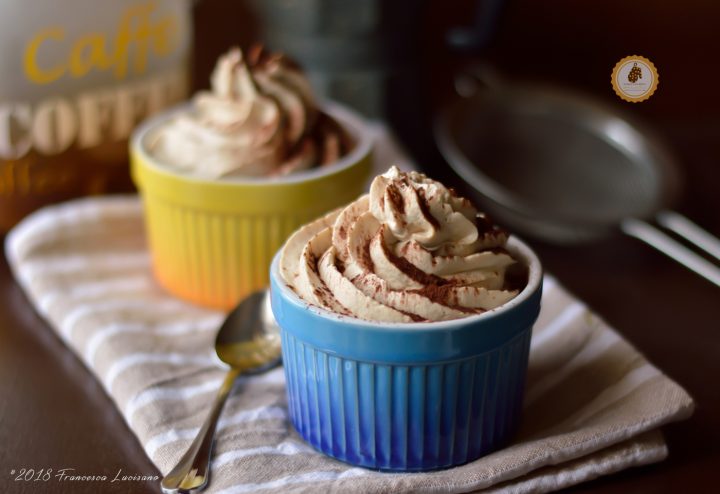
(77, 76)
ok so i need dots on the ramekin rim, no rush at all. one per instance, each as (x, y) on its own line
(515, 246)
(359, 128)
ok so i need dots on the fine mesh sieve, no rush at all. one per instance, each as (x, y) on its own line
(563, 168)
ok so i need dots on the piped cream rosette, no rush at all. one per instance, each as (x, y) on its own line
(411, 250)
(260, 119)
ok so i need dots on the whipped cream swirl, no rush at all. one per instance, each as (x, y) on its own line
(411, 250)
(260, 119)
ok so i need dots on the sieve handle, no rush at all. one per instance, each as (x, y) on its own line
(690, 231)
(671, 248)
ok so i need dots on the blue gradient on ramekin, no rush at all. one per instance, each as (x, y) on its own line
(407, 397)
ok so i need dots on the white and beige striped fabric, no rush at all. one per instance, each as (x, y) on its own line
(593, 403)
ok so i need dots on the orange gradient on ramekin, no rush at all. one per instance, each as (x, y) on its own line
(212, 241)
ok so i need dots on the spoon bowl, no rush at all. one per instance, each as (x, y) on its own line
(249, 339)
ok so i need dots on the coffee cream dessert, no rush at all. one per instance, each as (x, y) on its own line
(411, 250)
(260, 119)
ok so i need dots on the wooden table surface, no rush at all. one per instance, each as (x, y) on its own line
(53, 414)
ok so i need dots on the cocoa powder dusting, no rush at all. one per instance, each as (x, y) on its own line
(443, 295)
(365, 258)
(396, 198)
(412, 271)
(413, 317)
(330, 139)
(311, 261)
(485, 225)
(422, 201)
(256, 55)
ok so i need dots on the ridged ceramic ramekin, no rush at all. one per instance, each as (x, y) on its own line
(412, 396)
(212, 241)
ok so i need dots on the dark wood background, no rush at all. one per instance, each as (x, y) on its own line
(53, 414)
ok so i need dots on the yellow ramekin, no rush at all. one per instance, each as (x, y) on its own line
(212, 241)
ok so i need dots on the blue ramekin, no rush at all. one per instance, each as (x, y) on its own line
(407, 396)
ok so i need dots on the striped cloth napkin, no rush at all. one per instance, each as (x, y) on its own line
(593, 403)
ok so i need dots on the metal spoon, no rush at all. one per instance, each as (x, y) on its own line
(249, 342)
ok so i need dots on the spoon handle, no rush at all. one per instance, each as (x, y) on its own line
(191, 472)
